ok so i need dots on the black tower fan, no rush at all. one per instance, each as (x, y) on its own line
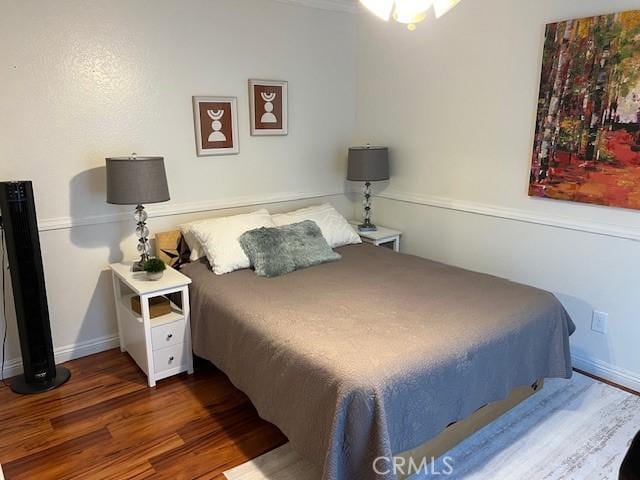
(18, 212)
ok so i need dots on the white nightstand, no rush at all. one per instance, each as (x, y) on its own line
(160, 346)
(383, 237)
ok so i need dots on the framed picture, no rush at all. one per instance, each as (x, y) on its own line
(216, 124)
(587, 141)
(268, 105)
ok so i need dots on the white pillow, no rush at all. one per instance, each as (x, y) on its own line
(219, 239)
(335, 228)
(194, 245)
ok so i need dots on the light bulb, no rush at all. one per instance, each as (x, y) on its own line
(380, 8)
(411, 11)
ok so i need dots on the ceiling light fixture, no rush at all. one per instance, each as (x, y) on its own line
(409, 12)
(380, 8)
(443, 6)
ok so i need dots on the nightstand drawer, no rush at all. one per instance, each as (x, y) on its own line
(169, 334)
(170, 357)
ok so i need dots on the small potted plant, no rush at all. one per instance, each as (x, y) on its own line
(155, 268)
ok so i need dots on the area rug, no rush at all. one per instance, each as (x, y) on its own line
(572, 429)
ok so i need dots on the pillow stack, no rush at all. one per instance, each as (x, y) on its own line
(277, 244)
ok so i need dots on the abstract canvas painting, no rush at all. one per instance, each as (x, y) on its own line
(587, 140)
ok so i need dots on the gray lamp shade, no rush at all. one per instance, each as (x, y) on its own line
(368, 164)
(136, 180)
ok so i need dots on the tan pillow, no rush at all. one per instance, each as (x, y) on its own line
(194, 245)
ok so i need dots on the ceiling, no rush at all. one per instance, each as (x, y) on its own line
(352, 6)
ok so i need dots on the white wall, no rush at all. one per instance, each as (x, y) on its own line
(82, 80)
(455, 100)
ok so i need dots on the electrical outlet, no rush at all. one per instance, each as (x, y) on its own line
(599, 322)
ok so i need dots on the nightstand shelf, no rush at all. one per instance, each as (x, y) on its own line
(382, 237)
(161, 346)
(175, 315)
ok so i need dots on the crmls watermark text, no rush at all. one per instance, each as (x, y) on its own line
(412, 466)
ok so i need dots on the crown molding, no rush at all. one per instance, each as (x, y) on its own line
(350, 6)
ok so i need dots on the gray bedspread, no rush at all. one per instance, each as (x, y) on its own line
(374, 354)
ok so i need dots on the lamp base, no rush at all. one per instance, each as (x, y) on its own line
(138, 266)
(367, 226)
(143, 238)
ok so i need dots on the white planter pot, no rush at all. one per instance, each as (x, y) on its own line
(154, 276)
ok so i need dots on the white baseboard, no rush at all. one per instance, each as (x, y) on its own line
(63, 354)
(607, 371)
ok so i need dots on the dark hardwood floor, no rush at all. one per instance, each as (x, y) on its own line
(105, 423)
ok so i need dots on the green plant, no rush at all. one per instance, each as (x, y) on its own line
(154, 265)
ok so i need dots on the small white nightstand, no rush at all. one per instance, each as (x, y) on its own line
(383, 237)
(160, 346)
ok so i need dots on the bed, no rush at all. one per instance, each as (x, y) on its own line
(377, 354)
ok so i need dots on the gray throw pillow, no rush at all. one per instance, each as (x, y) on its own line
(280, 250)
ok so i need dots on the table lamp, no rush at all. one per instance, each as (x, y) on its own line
(136, 181)
(368, 164)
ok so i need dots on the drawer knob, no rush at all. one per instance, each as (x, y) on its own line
(170, 359)
(170, 336)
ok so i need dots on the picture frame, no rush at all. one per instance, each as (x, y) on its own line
(268, 107)
(587, 138)
(216, 125)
